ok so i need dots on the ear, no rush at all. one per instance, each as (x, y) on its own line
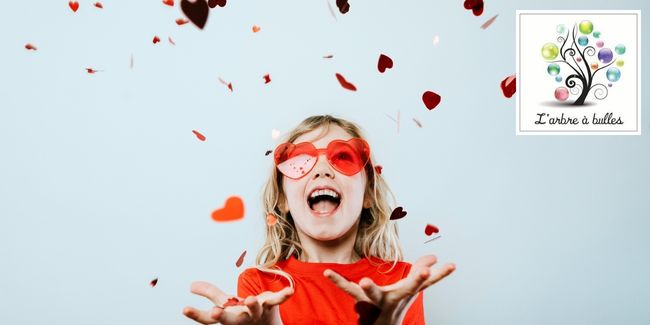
(282, 204)
(367, 201)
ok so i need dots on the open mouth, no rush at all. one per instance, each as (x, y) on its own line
(324, 201)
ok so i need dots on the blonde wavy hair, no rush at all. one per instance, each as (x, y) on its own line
(376, 237)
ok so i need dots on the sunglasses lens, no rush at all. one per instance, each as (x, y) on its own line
(294, 161)
(348, 157)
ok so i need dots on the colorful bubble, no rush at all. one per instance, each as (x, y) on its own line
(561, 93)
(594, 66)
(553, 69)
(583, 40)
(605, 55)
(558, 78)
(613, 74)
(596, 34)
(560, 28)
(550, 51)
(586, 27)
(620, 49)
(620, 63)
(600, 44)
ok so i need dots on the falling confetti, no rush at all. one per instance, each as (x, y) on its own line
(275, 134)
(232, 211)
(378, 169)
(74, 5)
(181, 21)
(197, 12)
(30, 47)
(343, 5)
(240, 260)
(91, 70)
(228, 84)
(99, 5)
(271, 219)
(256, 28)
(344, 83)
(153, 282)
(432, 239)
(156, 39)
(267, 78)
(268, 152)
(168, 2)
(214, 3)
(329, 6)
(475, 5)
(384, 63)
(397, 214)
(131, 63)
(368, 312)
(509, 86)
(489, 22)
(198, 135)
(417, 122)
(436, 40)
(430, 229)
(329, 56)
(171, 41)
(430, 99)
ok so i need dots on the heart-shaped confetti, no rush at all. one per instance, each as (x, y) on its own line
(197, 12)
(99, 5)
(368, 312)
(214, 3)
(30, 47)
(74, 5)
(430, 99)
(397, 214)
(168, 2)
(256, 28)
(344, 83)
(378, 169)
(267, 78)
(509, 86)
(199, 135)
(233, 301)
(475, 5)
(156, 39)
(430, 229)
(271, 219)
(343, 6)
(233, 210)
(384, 63)
(91, 70)
(240, 260)
(153, 282)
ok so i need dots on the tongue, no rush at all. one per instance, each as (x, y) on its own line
(324, 206)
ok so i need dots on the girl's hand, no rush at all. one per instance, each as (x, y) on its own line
(260, 309)
(394, 299)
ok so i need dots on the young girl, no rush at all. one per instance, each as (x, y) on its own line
(332, 256)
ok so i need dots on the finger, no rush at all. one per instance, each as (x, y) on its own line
(232, 314)
(438, 275)
(209, 291)
(350, 288)
(269, 298)
(200, 316)
(254, 306)
(372, 290)
(408, 286)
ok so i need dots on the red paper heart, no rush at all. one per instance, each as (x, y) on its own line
(430, 99)
(233, 210)
(199, 135)
(378, 169)
(214, 3)
(267, 78)
(74, 5)
(240, 260)
(475, 5)
(430, 229)
(156, 39)
(31, 47)
(344, 83)
(343, 6)
(99, 5)
(153, 282)
(169, 2)
(233, 301)
(384, 63)
(398, 213)
(509, 86)
(197, 12)
(368, 312)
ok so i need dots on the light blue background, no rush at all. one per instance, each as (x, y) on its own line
(103, 187)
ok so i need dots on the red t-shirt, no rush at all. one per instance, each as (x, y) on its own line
(316, 300)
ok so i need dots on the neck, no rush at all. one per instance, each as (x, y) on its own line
(339, 250)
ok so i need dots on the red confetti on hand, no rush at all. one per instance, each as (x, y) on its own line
(181, 21)
(31, 47)
(168, 2)
(197, 12)
(233, 210)
(475, 5)
(240, 260)
(99, 5)
(74, 5)
(267, 78)
(378, 169)
(256, 28)
(198, 135)
(153, 282)
(430, 99)
(384, 63)
(214, 3)
(430, 229)
(368, 312)
(344, 83)
(398, 213)
(156, 39)
(234, 301)
(509, 86)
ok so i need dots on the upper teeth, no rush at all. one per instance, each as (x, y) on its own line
(324, 192)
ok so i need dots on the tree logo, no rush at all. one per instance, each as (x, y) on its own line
(574, 64)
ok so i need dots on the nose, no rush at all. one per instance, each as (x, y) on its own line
(323, 168)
